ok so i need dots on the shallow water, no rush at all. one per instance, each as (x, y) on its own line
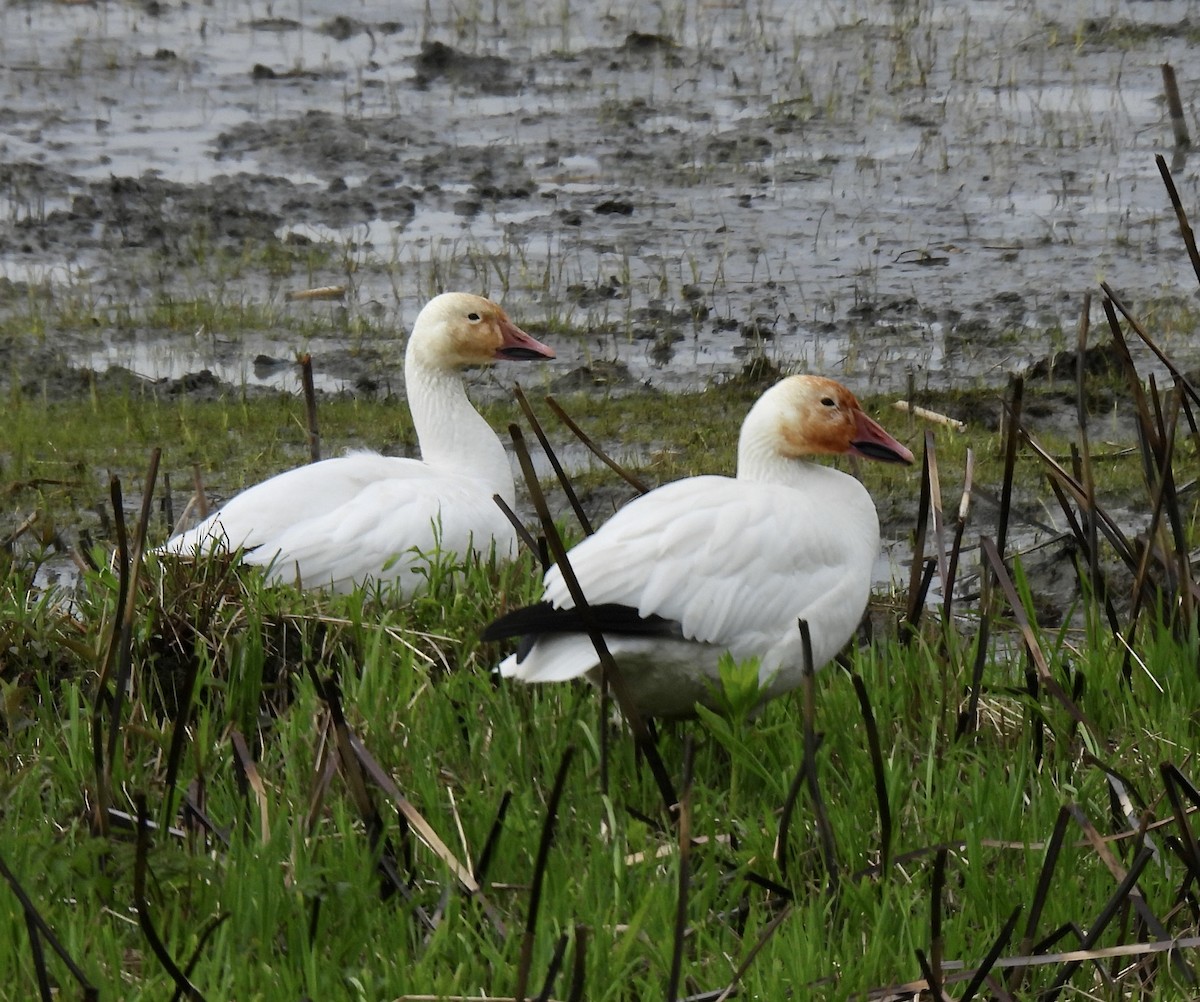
(875, 190)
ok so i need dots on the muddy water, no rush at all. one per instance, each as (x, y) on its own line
(869, 189)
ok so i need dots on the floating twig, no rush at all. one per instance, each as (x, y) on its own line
(927, 415)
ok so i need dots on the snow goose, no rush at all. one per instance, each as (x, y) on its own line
(363, 516)
(712, 564)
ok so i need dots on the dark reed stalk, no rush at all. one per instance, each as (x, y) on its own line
(968, 719)
(1189, 238)
(559, 472)
(556, 959)
(211, 926)
(1115, 902)
(960, 527)
(39, 959)
(578, 965)
(684, 835)
(484, 862)
(629, 478)
(989, 960)
(1148, 443)
(877, 770)
(1045, 876)
(1088, 478)
(179, 735)
(764, 937)
(1135, 897)
(820, 815)
(514, 520)
(310, 408)
(102, 762)
(1085, 535)
(933, 980)
(1106, 524)
(1175, 109)
(1011, 431)
(1032, 646)
(168, 503)
(183, 986)
(1173, 779)
(423, 829)
(201, 496)
(916, 588)
(539, 872)
(785, 817)
(935, 506)
(610, 671)
(34, 920)
(124, 660)
(937, 891)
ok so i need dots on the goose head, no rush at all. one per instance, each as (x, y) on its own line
(456, 330)
(814, 416)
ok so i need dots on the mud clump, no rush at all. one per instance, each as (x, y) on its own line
(487, 74)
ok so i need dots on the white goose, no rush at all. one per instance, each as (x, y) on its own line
(712, 564)
(340, 522)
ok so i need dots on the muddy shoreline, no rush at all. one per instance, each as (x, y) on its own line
(883, 192)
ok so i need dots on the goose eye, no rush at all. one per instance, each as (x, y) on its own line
(829, 401)
(474, 317)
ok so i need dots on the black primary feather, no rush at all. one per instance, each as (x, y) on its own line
(534, 620)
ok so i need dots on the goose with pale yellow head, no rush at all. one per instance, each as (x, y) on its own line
(710, 564)
(368, 517)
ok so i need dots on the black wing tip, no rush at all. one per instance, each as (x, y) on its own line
(533, 621)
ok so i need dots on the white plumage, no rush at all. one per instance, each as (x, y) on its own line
(363, 516)
(726, 564)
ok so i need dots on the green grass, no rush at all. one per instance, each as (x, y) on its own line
(290, 899)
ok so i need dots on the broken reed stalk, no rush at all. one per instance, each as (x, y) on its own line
(310, 408)
(820, 815)
(610, 672)
(960, 527)
(1175, 108)
(1189, 238)
(1041, 891)
(991, 957)
(124, 654)
(1032, 646)
(936, 891)
(1011, 429)
(633, 481)
(514, 520)
(968, 719)
(769, 931)
(35, 922)
(684, 835)
(484, 861)
(1115, 902)
(1131, 894)
(785, 816)
(1176, 373)
(141, 862)
(877, 770)
(555, 465)
(935, 506)
(1088, 478)
(101, 761)
(560, 949)
(1173, 782)
(579, 965)
(539, 871)
(916, 587)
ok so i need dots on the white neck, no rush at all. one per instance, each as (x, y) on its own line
(450, 432)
